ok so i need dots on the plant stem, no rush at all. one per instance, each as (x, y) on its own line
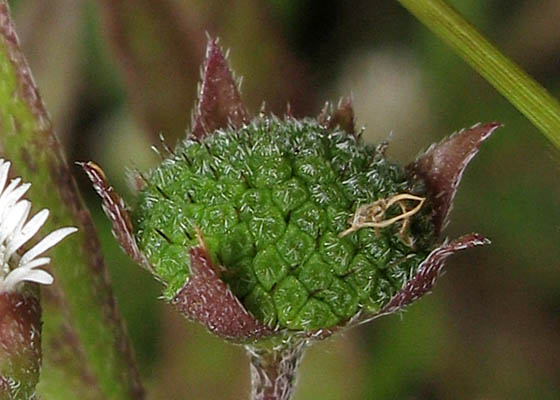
(530, 98)
(87, 354)
(273, 371)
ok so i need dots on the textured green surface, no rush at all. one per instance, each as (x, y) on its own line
(271, 200)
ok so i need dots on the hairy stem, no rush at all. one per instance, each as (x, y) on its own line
(530, 98)
(86, 352)
(273, 371)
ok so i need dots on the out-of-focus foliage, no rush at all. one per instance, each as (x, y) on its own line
(491, 330)
(80, 320)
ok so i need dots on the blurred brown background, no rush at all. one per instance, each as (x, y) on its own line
(114, 74)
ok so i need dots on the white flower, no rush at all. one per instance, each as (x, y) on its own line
(16, 230)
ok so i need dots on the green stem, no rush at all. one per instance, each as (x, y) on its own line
(542, 109)
(86, 353)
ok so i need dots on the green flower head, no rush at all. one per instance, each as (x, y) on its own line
(280, 226)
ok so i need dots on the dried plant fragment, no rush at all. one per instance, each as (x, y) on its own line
(373, 215)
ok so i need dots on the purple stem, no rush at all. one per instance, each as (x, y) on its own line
(274, 371)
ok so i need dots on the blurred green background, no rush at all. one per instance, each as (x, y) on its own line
(115, 74)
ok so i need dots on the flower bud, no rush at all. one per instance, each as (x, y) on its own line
(271, 226)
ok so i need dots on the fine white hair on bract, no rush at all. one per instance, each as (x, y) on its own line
(16, 230)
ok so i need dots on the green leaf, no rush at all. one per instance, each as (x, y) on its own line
(530, 98)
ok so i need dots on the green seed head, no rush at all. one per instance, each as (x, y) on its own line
(271, 229)
(308, 225)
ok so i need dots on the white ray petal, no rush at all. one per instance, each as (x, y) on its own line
(4, 169)
(39, 276)
(20, 275)
(16, 230)
(11, 186)
(48, 241)
(37, 262)
(8, 190)
(27, 232)
(13, 219)
(18, 192)
(11, 195)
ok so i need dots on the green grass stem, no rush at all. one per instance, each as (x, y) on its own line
(527, 95)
